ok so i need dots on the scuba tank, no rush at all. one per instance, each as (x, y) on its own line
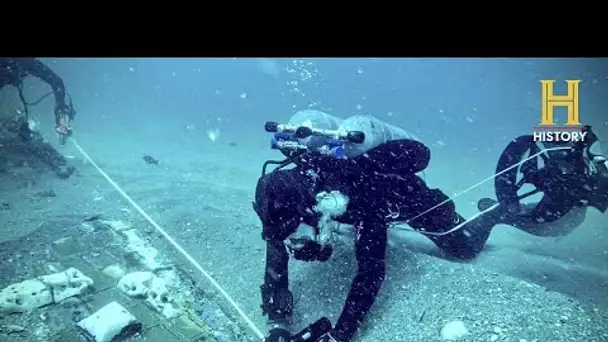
(318, 120)
(316, 132)
(308, 131)
(311, 131)
(315, 118)
(377, 132)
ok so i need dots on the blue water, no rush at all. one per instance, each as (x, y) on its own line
(446, 100)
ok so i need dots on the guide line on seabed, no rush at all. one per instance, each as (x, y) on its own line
(177, 246)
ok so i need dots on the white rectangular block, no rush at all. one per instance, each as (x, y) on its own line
(108, 322)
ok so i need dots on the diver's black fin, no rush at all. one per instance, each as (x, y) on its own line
(485, 203)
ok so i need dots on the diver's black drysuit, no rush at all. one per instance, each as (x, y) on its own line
(383, 187)
(12, 72)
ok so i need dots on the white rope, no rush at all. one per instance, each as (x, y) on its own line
(461, 225)
(179, 248)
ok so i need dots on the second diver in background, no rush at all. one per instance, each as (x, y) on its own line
(12, 72)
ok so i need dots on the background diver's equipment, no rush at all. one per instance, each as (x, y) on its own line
(26, 105)
(567, 178)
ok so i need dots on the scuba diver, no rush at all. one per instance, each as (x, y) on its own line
(365, 173)
(12, 72)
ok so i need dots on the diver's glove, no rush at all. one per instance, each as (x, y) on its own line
(306, 249)
(278, 335)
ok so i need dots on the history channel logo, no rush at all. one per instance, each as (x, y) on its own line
(548, 130)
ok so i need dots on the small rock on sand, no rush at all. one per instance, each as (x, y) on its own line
(114, 271)
(453, 331)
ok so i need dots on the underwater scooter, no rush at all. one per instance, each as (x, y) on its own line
(289, 139)
(567, 176)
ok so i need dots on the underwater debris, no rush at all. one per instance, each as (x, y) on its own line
(110, 322)
(154, 289)
(38, 292)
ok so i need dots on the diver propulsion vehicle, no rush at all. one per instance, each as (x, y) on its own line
(567, 176)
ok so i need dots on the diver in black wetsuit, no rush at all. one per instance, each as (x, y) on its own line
(284, 199)
(382, 187)
(12, 72)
